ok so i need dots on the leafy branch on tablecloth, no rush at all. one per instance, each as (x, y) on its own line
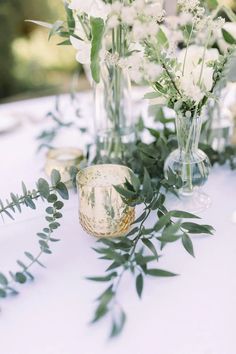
(139, 251)
(52, 195)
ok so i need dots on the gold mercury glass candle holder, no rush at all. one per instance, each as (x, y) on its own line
(62, 159)
(102, 212)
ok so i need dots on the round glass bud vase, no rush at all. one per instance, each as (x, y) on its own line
(189, 163)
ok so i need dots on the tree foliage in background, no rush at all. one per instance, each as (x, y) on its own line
(12, 25)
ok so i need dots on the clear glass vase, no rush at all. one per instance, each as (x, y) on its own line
(218, 123)
(114, 128)
(190, 163)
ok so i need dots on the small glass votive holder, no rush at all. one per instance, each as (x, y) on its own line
(62, 159)
(102, 212)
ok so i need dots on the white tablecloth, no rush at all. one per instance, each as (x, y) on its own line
(194, 313)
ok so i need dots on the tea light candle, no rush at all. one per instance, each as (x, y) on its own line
(102, 212)
(62, 159)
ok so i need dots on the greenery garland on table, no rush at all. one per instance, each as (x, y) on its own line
(138, 252)
(134, 253)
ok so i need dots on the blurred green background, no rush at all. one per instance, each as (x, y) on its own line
(30, 65)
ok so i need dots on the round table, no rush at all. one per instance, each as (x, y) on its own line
(194, 313)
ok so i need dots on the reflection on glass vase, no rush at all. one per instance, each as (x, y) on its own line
(114, 128)
(218, 125)
(189, 163)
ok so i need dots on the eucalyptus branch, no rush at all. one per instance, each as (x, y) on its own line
(52, 195)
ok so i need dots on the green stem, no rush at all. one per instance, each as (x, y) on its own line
(188, 42)
(21, 201)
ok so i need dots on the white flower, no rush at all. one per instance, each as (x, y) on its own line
(93, 8)
(154, 10)
(197, 78)
(185, 18)
(190, 89)
(140, 68)
(194, 57)
(139, 4)
(188, 5)
(81, 5)
(83, 50)
(139, 31)
(151, 71)
(116, 7)
(142, 30)
(128, 15)
(113, 21)
(172, 22)
(206, 74)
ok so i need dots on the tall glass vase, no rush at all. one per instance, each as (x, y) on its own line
(190, 163)
(114, 127)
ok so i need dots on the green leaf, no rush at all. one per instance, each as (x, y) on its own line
(168, 238)
(228, 37)
(132, 232)
(140, 218)
(3, 279)
(30, 256)
(212, 4)
(29, 202)
(58, 205)
(55, 177)
(139, 285)
(54, 225)
(188, 245)
(20, 278)
(3, 293)
(103, 279)
(43, 188)
(50, 210)
(52, 198)
(8, 214)
(163, 221)
(135, 181)
(151, 95)
(161, 38)
(171, 230)
(147, 186)
(21, 264)
(154, 133)
(56, 27)
(117, 327)
(97, 30)
(160, 273)
(41, 23)
(127, 194)
(70, 18)
(66, 42)
(43, 244)
(193, 228)
(151, 246)
(183, 215)
(62, 190)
